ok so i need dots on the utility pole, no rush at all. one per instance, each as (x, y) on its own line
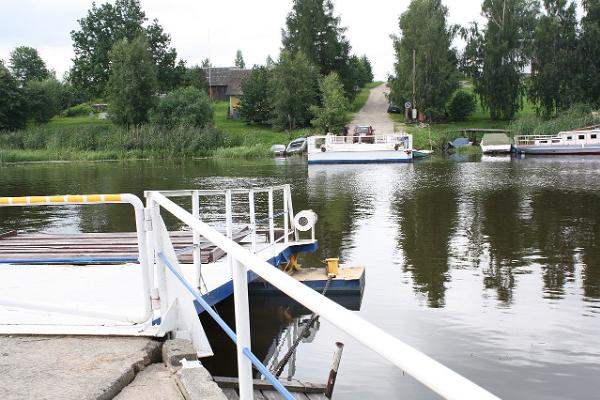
(414, 76)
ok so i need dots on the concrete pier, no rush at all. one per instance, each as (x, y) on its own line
(100, 368)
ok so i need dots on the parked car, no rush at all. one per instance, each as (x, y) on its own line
(393, 108)
(364, 134)
(296, 146)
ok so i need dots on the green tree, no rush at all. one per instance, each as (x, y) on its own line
(206, 63)
(461, 106)
(425, 31)
(43, 99)
(293, 89)
(555, 63)
(239, 60)
(196, 77)
(255, 103)
(12, 104)
(590, 44)
(104, 26)
(496, 57)
(187, 106)
(333, 115)
(366, 70)
(132, 82)
(26, 65)
(312, 29)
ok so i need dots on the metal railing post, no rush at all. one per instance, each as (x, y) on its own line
(271, 221)
(252, 218)
(285, 215)
(196, 253)
(242, 329)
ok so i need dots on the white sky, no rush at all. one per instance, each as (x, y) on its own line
(200, 27)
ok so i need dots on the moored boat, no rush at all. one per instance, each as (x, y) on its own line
(567, 142)
(495, 143)
(332, 149)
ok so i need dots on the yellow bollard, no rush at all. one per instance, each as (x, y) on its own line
(332, 265)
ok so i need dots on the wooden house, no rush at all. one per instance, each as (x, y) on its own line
(226, 84)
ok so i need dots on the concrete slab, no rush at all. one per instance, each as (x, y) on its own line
(155, 382)
(71, 368)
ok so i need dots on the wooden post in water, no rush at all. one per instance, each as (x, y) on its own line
(334, 368)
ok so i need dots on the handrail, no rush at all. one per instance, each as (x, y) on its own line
(226, 328)
(429, 372)
(114, 198)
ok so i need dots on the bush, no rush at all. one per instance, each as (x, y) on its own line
(78, 110)
(578, 116)
(43, 99)
(188, 106)
(461, 106)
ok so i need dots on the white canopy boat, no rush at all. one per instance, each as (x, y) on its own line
(387, 148)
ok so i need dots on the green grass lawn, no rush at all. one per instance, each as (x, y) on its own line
(73, 121)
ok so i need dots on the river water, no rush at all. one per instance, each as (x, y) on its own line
(490, 266)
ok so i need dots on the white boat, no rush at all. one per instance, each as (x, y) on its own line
(278, 149)
(332, 149)
(296, 146)
(568, 142)
(495, 143)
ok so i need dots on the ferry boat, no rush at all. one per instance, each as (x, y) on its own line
(568, 142)
(333, 149)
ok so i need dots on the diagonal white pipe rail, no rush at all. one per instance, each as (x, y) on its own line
(423, 368)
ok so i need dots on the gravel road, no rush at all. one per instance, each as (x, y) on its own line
(375, 113)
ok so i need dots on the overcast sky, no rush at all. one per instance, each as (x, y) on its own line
(216, 28)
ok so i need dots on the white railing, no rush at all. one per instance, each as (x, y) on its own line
(434, 375)
(398, 140)
(226, 198)
(91, 199)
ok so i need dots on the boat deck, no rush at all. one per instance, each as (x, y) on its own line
(78, 297)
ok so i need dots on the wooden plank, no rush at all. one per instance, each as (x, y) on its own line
(292, 385)
(272, 395)
(258, 395)
(316, 396)
(299, 396)
(231, 394)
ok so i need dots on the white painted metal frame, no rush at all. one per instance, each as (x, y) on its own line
(434, 375)
(287, 221)
(92, 199)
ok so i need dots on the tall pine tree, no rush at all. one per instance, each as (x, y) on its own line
(425, 31)
(312, 30)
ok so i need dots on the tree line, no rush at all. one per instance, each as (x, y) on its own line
(127, 61)
(524, 49)
(315, 77)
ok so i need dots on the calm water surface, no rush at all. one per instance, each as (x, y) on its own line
(491, 267)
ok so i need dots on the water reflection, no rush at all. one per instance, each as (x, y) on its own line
(427, 217)
(491, 267)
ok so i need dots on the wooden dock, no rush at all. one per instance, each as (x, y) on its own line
(99, 245)
(263, 390)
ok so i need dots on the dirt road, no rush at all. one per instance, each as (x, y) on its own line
(374, 112)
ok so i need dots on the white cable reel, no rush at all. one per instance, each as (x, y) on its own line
(305, 220)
